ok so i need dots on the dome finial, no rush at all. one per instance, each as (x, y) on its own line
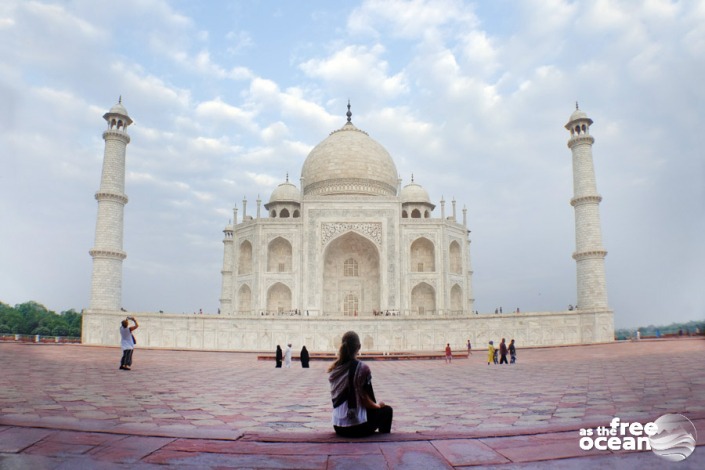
(576, 106)
(412, 177)
(349, 114)
(287, 176)
(120, 100)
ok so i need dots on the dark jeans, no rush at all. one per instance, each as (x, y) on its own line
(126, 358)
(376, 418)
(503, 359)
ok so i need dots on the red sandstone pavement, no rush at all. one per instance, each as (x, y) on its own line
(67, 406)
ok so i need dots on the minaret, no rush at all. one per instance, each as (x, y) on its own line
(589, 254)
(226, 294)
(106, 282)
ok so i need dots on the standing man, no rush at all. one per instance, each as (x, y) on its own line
(469, 349)
(503, 352)
(287, 356)
(512, 352)
(127, 342)
(449, 354)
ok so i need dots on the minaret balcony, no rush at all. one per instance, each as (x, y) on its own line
(107, 196)
(579, 201)
(106, 253)
(592, 254)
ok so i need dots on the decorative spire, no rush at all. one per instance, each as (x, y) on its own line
(412, 177)
(349, 114)
(576, 106)
(120, 100)
(287, 176)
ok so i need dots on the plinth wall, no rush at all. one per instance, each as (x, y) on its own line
(385, 334)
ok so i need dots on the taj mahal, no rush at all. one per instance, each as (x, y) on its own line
(348, 248)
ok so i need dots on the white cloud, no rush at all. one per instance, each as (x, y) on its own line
(239, 42)
(217, 110)
(148, 87)
(479, 50)
(547, 17)
(212, 146)
(409, 19)
(262, 179)
(275, 132)
(358, 66)
(61, 21)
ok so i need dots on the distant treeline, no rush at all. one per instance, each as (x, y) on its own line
(689, 328)
(31, 318)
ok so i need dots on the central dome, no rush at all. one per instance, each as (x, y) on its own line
(349, 161)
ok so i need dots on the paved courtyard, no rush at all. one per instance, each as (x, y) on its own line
(67, 406)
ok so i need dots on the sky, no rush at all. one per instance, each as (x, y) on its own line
(228, 97)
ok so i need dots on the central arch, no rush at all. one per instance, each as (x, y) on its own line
(351, 271)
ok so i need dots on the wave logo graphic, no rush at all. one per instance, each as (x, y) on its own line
(675, 439)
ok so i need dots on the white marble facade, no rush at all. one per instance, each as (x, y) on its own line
(351, 244)
(350, 248)
(385, 334)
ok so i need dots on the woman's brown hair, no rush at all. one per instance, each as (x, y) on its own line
(349, 348)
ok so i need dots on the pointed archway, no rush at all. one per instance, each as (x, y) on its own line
(351, 277)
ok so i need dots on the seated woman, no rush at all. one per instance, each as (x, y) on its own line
(355, 410)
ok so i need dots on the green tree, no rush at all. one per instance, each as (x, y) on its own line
(60, 330)
(31, 317)
(41, 330)
(30, 313)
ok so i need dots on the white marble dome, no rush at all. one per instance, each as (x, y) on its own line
(578, 114)
(285, 192)
(349, 161)
(414, 193)
(118, 109)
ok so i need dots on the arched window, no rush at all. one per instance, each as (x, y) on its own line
(416, 214)
(423, 299)
(456, 259)
(422, 254)
(456, 299)
(245, 261)
(404, 215)
(279, 298)
(279, 256)
(426, 215)
(350, 268)
(296, 214)
(244, 299)
(119, 125)
(284, 214)
(273, 214)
